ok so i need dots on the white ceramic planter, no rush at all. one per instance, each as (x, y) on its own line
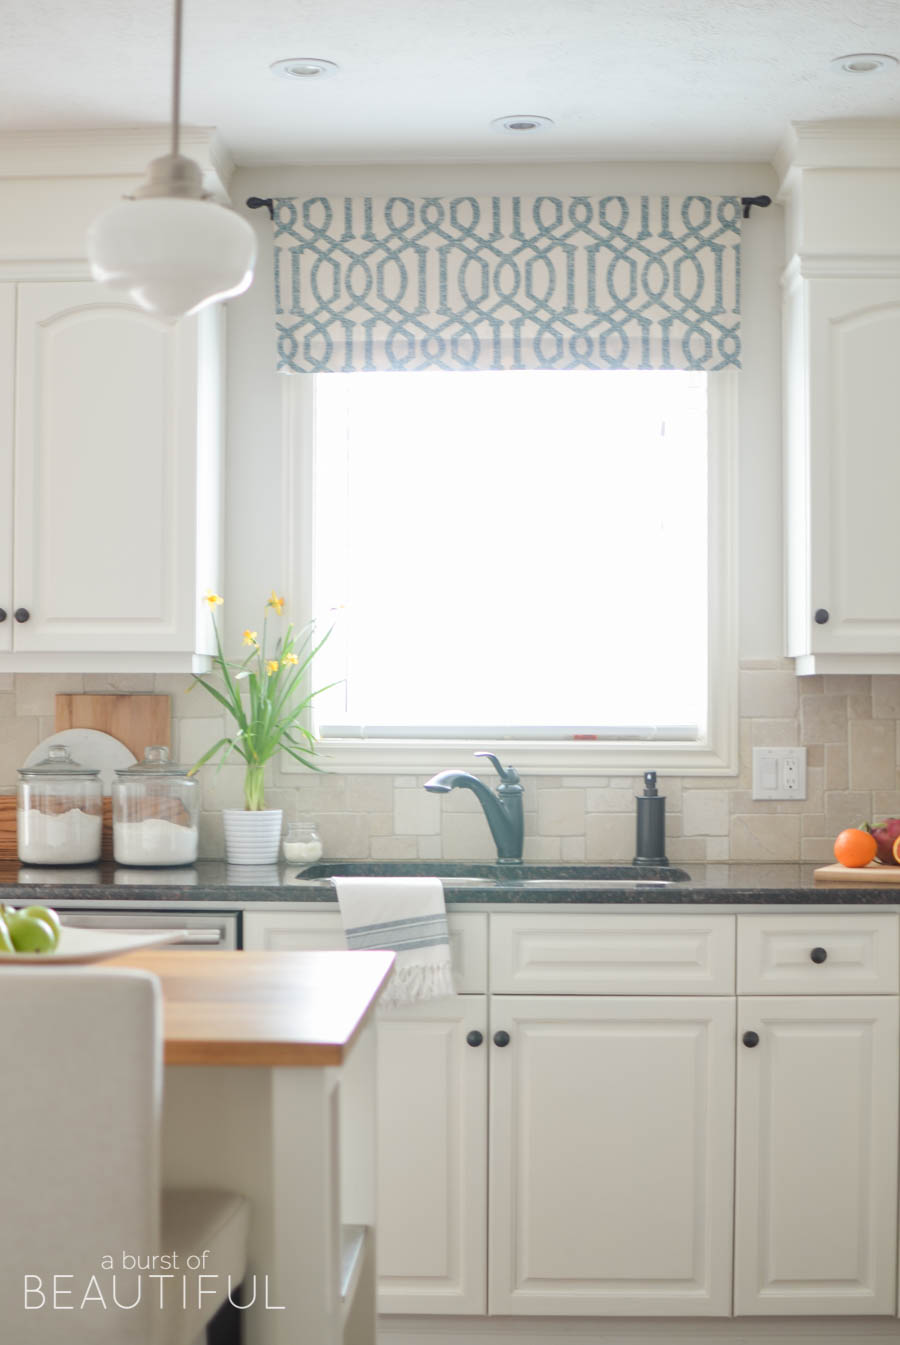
(252, 838)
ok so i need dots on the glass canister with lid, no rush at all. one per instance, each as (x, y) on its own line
(155, 807)
(59, 811)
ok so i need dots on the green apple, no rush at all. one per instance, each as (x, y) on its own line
(30, 935)
(49, 917)
(6, 943)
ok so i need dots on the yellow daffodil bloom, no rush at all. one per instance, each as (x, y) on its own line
(251, 638)
(290, 658)
(272, 666)
(276, 603)
(212, 599)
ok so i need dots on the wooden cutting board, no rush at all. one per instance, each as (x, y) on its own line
(872, 875)
(8, 848)
(137, 721)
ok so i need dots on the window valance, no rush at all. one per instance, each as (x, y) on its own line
(507, 282)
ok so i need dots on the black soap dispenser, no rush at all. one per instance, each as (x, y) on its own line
(651, 823)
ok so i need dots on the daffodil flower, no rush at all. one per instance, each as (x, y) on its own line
(251, 638)
(212, 599)
(276, 603)
(290, 658)
(272, 666)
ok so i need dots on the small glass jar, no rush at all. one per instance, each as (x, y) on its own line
(302, 843)
(59, 811)
(155, 808)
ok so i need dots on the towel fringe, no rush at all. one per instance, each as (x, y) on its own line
(411, 983)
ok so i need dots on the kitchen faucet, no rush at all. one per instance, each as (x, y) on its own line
(502, 806)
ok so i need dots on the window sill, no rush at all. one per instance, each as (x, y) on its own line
(425, 758)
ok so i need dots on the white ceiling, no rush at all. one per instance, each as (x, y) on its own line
(421, 79)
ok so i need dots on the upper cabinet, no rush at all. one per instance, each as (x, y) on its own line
(843, 473)
(110, 481)
(841, 189)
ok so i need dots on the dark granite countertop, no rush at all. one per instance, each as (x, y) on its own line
(215, 883)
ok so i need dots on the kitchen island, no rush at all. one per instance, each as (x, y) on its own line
(269, 1091)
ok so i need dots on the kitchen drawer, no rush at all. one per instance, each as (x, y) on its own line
(606, 954)
(776, 954)
(322, 930)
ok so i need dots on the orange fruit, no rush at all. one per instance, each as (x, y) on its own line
(855, 849)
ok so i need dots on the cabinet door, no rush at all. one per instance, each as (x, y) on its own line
(816, 1194)
(432, 1124)
(106, 474)
(432, 1158)
(611, 1153)
(854, 475)
(7, 422)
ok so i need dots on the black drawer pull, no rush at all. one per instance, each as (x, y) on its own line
(22, 614)
(818, 955)
(501, 1038)
(822, 615)
(751, 1039)
(2, 614)
(474, 1038)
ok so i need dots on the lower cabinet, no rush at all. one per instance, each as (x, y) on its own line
(611, 1156)
(817, 1126)
(574, 1145)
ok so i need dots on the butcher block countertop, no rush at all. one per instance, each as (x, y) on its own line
(262, 1009)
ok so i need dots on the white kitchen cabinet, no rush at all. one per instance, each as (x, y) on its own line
(432, 1126)
(842, 335)
(7, 429)
(816, 1192)
(611, 1153)
(115, 480)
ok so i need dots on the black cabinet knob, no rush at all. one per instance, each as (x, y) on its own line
(751, 1039)
(2, 615)
(501, 1038)
(474, 1038)
(818, 955)
(822, 615)
(22, 614)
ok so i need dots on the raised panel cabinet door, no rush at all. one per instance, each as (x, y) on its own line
(111, 455)
(432, 1157)
(7, 423)
(816, 1190)
(854, 467)
(611, 1156)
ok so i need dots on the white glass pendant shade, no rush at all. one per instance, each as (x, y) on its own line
(173, 254)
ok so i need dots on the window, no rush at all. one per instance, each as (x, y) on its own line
(521, 558)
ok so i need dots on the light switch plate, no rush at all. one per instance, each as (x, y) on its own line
(779, 772)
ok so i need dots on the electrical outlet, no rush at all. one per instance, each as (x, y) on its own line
(779, 772)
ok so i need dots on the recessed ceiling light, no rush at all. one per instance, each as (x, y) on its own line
(521, 123)
(864, 62)
(304, 67)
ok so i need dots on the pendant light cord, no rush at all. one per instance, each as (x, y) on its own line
(176, 79)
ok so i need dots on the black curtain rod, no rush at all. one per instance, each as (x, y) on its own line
(257, 202)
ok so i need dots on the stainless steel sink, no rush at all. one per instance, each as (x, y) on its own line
(465, 873)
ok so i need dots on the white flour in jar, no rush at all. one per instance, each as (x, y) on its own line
(307, 850)
(154, 841)
(72, 837)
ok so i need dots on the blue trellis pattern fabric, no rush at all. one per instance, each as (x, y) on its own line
(507, 282)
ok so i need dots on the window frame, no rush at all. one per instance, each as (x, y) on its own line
(716, 754)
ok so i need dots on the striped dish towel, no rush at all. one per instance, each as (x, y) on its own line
(407, 916)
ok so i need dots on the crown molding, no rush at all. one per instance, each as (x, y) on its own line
(111, 153)
(851, 143)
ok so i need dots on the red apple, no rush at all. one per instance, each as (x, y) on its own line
(884, 835)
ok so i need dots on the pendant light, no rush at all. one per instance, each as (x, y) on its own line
(171, 246)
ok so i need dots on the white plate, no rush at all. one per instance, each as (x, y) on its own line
(90, 945)
(89, 747)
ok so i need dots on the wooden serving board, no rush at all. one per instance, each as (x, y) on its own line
(871, 875)
(137, 721)
(8, 848)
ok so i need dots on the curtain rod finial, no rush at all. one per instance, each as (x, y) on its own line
(256, 202)
(748, 201)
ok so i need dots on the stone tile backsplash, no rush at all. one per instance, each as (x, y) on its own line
(848, 724)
